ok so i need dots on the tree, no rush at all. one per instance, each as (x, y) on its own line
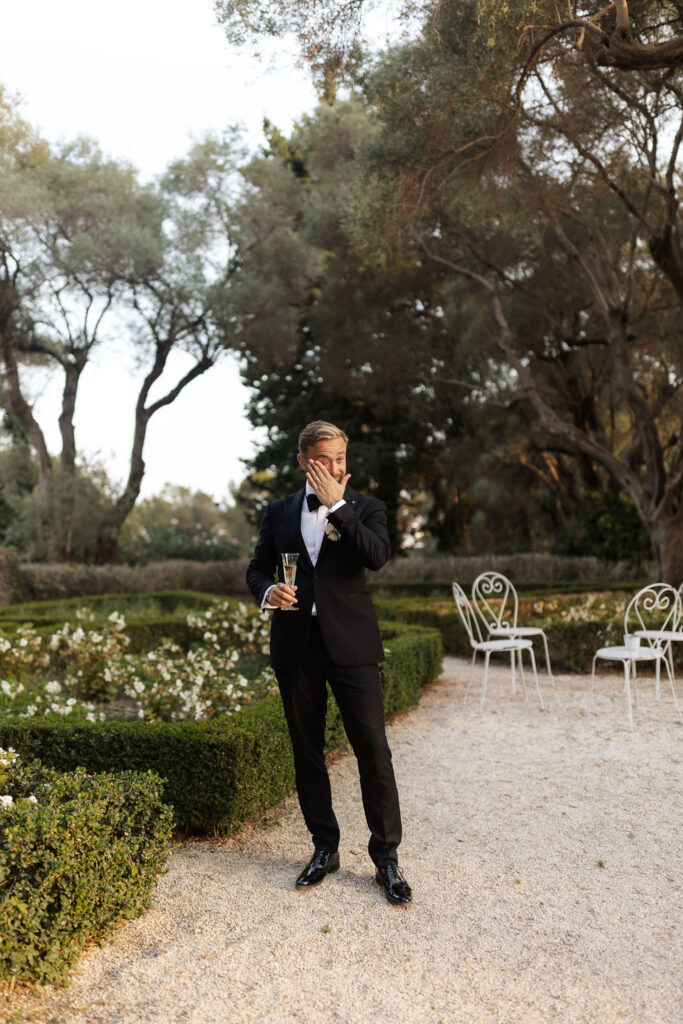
(628, 35)
(88, 255)
(346, 346)
(550, 237)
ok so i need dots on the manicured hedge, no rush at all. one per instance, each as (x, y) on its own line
(571, 644)
(162, 602)
(393, 589)
(85, 856)
(220, 772)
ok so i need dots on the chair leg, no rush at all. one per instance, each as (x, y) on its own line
(486, 675)
(627, 687)
(468, 684)
(474, 658)
(657, 674)
(592, 684)
(547, 658)
(521, 671)
(533, 665)
(512, 669)
(673, 689)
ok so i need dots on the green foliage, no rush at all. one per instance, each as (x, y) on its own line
(180, 523)
(612, 527)
(84, 856)
(221, 772)
(138, 606)
(66, 520)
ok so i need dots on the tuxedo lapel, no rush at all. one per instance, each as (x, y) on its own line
(293, 516)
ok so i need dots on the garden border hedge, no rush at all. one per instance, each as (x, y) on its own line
(571, 644)
(222, 772)
(86, 855)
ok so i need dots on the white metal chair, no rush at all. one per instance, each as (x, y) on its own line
(657, 604)
(668, 636)
(500, 617)
(512, 645)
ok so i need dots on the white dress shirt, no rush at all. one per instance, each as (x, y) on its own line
(313, 531)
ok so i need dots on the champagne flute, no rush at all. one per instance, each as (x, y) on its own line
(289, 564)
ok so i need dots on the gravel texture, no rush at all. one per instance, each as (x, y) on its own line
(544, 852)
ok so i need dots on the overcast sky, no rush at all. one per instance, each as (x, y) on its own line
(142, 77)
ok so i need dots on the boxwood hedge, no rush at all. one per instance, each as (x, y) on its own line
(571, 644)
(221, 772)
(85, 856)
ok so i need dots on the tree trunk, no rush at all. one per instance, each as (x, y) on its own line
(666, 530)
(666, 252)
(66, 420)
(108, 538)
(21, 411)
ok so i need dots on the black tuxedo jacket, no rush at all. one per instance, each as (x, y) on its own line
(336, 584)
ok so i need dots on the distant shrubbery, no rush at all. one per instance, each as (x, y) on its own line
(537, 567)
(44, 581)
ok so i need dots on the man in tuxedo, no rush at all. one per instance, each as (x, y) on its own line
(324, 629)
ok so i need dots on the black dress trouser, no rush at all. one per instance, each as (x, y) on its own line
(359, 696)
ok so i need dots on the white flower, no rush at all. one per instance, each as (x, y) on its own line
(31, 799)
(53, 687)
(331, 531)
(6, 801)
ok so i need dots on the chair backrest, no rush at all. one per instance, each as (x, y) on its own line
(656, 607)
(494, 587)
(469, 619)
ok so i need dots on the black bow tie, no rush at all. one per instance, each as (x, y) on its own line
(313, 502)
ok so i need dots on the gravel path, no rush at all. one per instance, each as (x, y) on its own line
(544, 853)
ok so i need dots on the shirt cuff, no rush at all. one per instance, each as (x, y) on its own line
(264, 602)
(337, 504)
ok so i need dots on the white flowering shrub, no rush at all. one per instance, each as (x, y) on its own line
(225, 626)
(594, 608)
(84, 670)
(26, 652)
(170, 684)
(47, 697)
(90, 655)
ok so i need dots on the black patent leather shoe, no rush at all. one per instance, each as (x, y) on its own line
(321, 863)
(396, 889)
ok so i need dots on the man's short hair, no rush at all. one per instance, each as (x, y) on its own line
(319, 430)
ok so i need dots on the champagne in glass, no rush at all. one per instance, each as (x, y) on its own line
(289, 564)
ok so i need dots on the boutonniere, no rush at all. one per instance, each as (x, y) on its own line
(331, 531)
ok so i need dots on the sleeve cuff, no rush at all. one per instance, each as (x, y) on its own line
(337, 504)
(264, 603)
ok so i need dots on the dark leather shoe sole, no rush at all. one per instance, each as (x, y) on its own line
(396, 901)
(332, 865)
